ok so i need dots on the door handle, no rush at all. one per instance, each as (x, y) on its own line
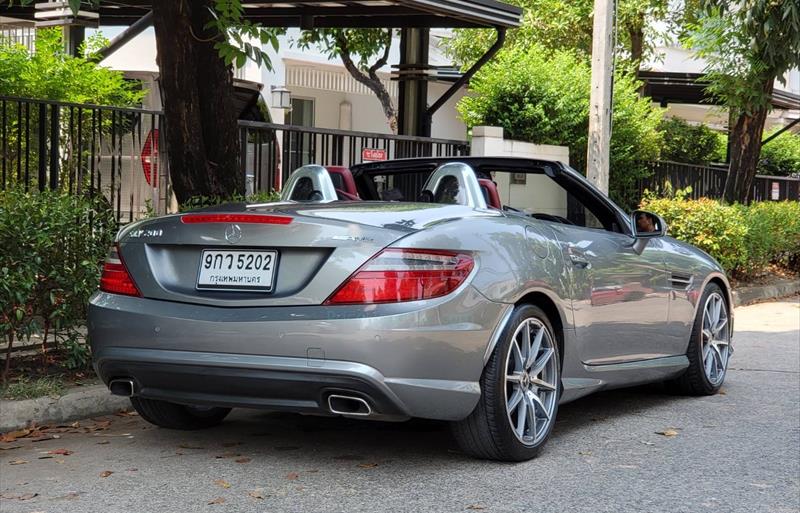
(578, 257)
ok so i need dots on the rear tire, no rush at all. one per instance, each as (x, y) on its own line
(178, 416)
(515, 379)
(709, 347)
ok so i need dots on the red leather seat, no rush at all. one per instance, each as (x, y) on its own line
(490, 193)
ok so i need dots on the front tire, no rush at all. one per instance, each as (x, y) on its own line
(521, 387)
(709, 347)
(178, 416)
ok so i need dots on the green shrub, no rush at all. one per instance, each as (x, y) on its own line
(773, 235)
(197, 202)
(53, 246)
(542, 97)
(692, 144)
(718, 229)
(781, 156)
(743, 239)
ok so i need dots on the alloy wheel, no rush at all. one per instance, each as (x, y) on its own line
(716, 338)
(531, 381)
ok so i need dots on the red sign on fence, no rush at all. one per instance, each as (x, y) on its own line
(372, 155)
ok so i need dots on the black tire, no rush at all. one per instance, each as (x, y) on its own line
(486, 433)
(177, 416)
(694, 380)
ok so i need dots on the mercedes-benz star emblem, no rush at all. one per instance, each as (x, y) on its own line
(233, 233)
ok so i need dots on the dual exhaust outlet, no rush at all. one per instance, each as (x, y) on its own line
(347, 405)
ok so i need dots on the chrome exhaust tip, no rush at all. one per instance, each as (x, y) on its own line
(348, 405)
(122, 387)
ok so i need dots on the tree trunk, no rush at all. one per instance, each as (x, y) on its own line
(7, 363)
(745, 149)
(197, 93)
(370, 78)
(637, 44)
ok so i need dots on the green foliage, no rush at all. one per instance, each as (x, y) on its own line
(746, 46)
(198, 202)
(50, 73)
(542, 97)
(743, 239)
(773, 235)
(363, 44)
(560, 25)
(25, 388)
(53, 246)
(691, 144)
(229, 21)
(781, 156)
(712, 226)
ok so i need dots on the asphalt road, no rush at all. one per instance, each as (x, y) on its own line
(734, 452)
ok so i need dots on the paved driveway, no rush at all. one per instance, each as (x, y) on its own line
(738, 451)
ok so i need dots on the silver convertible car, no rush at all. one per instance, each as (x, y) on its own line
(480, 291)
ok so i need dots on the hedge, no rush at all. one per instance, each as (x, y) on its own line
(53, 247)
(745, 240)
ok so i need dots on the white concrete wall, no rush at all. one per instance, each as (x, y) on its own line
(539, 193)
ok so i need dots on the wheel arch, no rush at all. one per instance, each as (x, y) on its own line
(722, 282)
(542, 300)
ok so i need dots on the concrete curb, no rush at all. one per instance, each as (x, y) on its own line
(91, 401)
(748, 295)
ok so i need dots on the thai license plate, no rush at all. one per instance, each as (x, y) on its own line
(237, 270)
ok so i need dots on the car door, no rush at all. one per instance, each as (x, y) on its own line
(620, 297)
(619, 292)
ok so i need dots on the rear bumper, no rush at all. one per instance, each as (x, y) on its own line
(410, 360)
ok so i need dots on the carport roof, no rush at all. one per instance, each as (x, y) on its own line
(339, 13)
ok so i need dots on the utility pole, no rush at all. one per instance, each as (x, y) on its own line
(597, 156)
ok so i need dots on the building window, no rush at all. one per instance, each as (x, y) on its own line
(301, 145)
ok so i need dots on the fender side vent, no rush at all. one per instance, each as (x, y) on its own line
(681, 281)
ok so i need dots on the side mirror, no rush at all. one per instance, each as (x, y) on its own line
(647, 225)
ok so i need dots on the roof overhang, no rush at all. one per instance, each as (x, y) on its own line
(339, 13)
(690, 88)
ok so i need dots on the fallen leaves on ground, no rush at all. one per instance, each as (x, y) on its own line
(106, 473)
(226, 455)
(258, 493)
(13, 435)
(292, 476)
(10, 447)
(36, 433)
(367, 465)
(126, 413)
(218, 500)
(669, 432)
(585, 453)
(17, 462)
(243, 460)
(648, 443)
(62, 452)
(23, 497)
(476, 507)
(222, 483)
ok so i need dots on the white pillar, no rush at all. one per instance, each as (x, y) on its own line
(597, 155)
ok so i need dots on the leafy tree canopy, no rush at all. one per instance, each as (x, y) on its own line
(52, 74)
(567, 25)
(746, 44)
(541, 96)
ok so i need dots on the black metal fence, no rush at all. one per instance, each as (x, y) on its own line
(271, 151)
(709, 182)
(85, 149)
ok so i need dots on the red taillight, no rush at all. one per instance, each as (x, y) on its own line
(235, 218)
(115, 278)
(396, 275)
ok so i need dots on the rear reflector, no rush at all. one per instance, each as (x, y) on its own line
(397, 275)
(115, 278)
(235, 218)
